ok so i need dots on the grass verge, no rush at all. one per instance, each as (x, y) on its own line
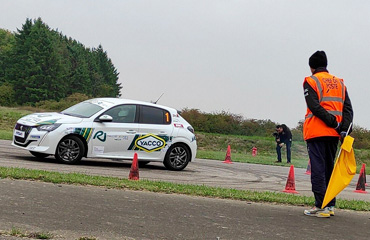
(248, 158)
(17, 232)
(166, 187)
(6, 134)
(298, 162)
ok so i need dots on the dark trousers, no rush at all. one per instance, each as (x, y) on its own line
(322, 157)
(288, 151)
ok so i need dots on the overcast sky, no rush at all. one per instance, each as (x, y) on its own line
(244, 57)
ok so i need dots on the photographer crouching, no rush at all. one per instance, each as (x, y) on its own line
(283, 136)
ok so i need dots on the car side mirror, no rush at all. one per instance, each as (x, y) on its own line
(105, 118)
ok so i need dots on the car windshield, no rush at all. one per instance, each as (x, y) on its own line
(84, 110)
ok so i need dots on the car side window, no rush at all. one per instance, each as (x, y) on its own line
(122, 113)
(153, 115)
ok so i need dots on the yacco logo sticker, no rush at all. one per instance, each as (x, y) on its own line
(150, 143)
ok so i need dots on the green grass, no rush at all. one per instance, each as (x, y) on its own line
(20, 233)
(248, 158)
(166, 187)
(6, 134)
(9, 117)
(17, 232)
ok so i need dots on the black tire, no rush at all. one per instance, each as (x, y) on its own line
(177, 157)
(70, 150)
(39, 155)
(143, 163)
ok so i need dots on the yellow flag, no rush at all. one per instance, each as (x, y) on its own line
(343, 172)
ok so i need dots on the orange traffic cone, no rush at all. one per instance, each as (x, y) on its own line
(308, 170)
(364, 167)
(290, 183)
(360, 187)
(254, 151)
(134, 171)
(228, 155)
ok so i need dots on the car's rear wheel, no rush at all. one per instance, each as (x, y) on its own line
(39, 155)
(70, 150)
(177, 157)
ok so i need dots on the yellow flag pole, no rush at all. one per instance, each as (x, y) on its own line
(340, 149)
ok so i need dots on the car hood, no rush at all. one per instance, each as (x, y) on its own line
(37, 119)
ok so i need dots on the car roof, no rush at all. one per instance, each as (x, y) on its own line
(110, 102)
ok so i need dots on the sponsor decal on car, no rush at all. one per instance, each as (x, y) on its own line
(48, 122)
(35, 136)
(98, 149)
(84, 132)
(20, 134)
(102, 136)
(166, 138)
(150, 143)
(118, 137)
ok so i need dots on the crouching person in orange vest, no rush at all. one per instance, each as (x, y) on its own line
(328, 117)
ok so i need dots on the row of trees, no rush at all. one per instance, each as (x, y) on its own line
(228, 123)
(38, 63)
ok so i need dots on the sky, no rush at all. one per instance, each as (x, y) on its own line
(244, 57)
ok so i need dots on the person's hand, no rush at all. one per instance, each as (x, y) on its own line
(281, 144)
(342, 136)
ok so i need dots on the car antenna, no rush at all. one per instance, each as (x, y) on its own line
(158, 99)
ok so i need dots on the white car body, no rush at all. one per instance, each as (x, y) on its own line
(118, 129)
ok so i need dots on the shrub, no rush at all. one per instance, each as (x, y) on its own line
(7, 95)
(62, 104)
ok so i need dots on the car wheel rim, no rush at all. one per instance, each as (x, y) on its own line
(178, 157)
(68, 150)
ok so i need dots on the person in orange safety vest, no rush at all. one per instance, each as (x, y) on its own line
(328, 117)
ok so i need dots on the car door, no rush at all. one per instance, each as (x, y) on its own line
(112, 139)
(155, 132)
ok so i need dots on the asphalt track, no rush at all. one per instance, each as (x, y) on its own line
(70, 212)
(204, 172)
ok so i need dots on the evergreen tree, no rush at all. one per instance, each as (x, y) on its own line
(39, 73)
(42, 64)
(7, 42)
(109, 86)
(79, 72)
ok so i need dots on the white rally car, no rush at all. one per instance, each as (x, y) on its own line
(109, 128)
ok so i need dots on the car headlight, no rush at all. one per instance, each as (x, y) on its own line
(48, 127)
(190, 129)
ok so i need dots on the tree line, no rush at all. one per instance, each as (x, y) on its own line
(39, 64)
(233, 124)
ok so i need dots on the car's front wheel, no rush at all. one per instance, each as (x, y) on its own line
(70, 150)
(39, 155)
(177, 157)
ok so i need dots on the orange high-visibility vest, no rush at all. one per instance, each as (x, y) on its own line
(331, 93)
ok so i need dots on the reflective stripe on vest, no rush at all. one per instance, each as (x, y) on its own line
(338, 113)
